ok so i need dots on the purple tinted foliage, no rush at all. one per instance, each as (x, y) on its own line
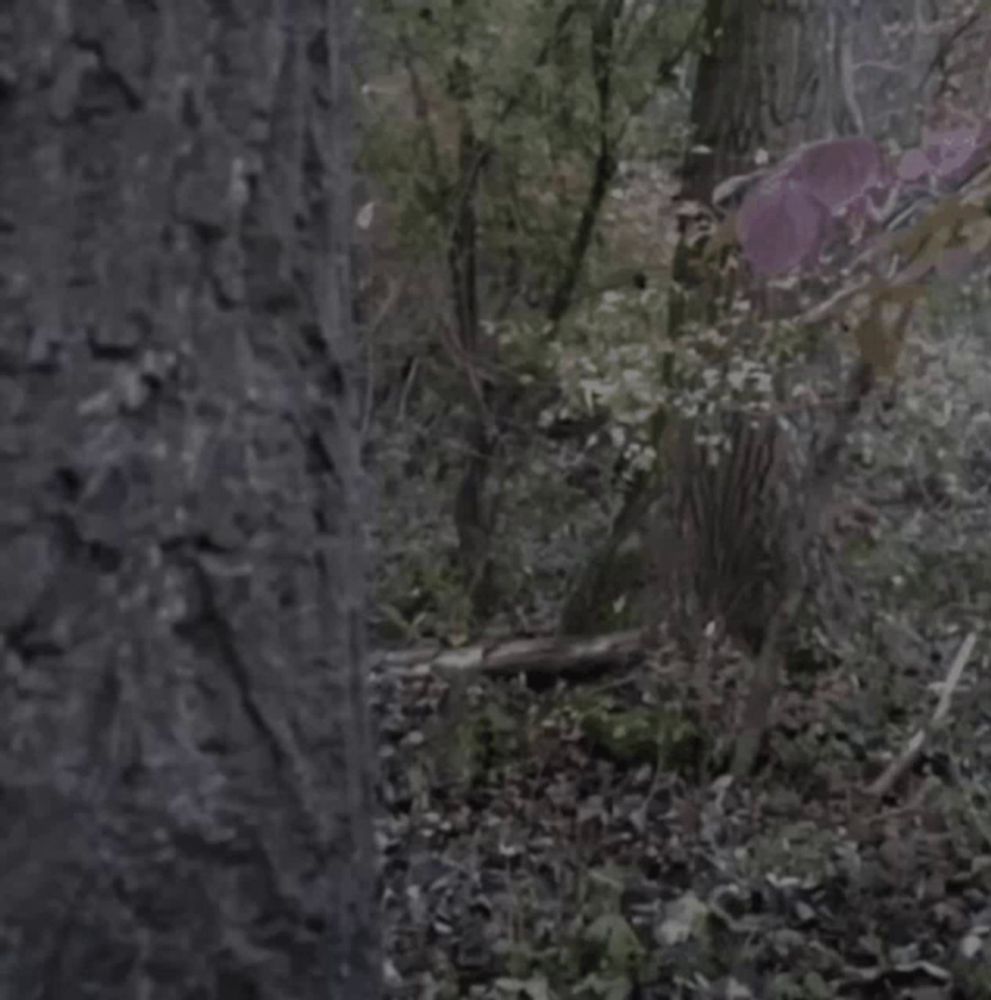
(782, 222)
(780, 225)
(954, 153)
(784, 219)
(914, 166)
(839, 171)
(947, 155)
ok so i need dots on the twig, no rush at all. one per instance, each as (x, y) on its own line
(904, 761)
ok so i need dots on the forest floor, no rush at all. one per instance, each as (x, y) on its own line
(580, 842)
(583, 842)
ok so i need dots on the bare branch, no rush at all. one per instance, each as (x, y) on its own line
(904, 761)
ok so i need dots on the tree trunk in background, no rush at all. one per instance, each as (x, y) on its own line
(770, 77)
(474, 510)
(185, 765)
(754, 89)
(491, 402)
(773, 77)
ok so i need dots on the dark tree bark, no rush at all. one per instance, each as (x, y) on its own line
(772, 77)
(474, 511)
(185, 758)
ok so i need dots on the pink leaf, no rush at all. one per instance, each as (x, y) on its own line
(780, 225)
(954, 153)
(914, 165)
(837, 171)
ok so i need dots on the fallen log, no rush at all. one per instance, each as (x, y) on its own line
(550, 655)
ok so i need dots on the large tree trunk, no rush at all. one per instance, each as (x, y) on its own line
(185, 759)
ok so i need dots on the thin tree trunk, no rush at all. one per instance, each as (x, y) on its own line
(491, 404)
(473, 511)
(186, 762)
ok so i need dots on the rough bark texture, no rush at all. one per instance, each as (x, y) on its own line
(771, 78)
(185, 787)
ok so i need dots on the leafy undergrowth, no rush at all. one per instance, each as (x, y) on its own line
(583, 842)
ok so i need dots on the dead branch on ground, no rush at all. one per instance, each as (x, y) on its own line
(913, 749)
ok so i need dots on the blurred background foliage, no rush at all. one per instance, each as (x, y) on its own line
(563, 126)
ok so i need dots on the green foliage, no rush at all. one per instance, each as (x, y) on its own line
(509, 107)
(801, 986)
(521, 78)
(602, 948)
(424, 593)
(613, 356)
(802, 850)
(633, 737)
(469, 742)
